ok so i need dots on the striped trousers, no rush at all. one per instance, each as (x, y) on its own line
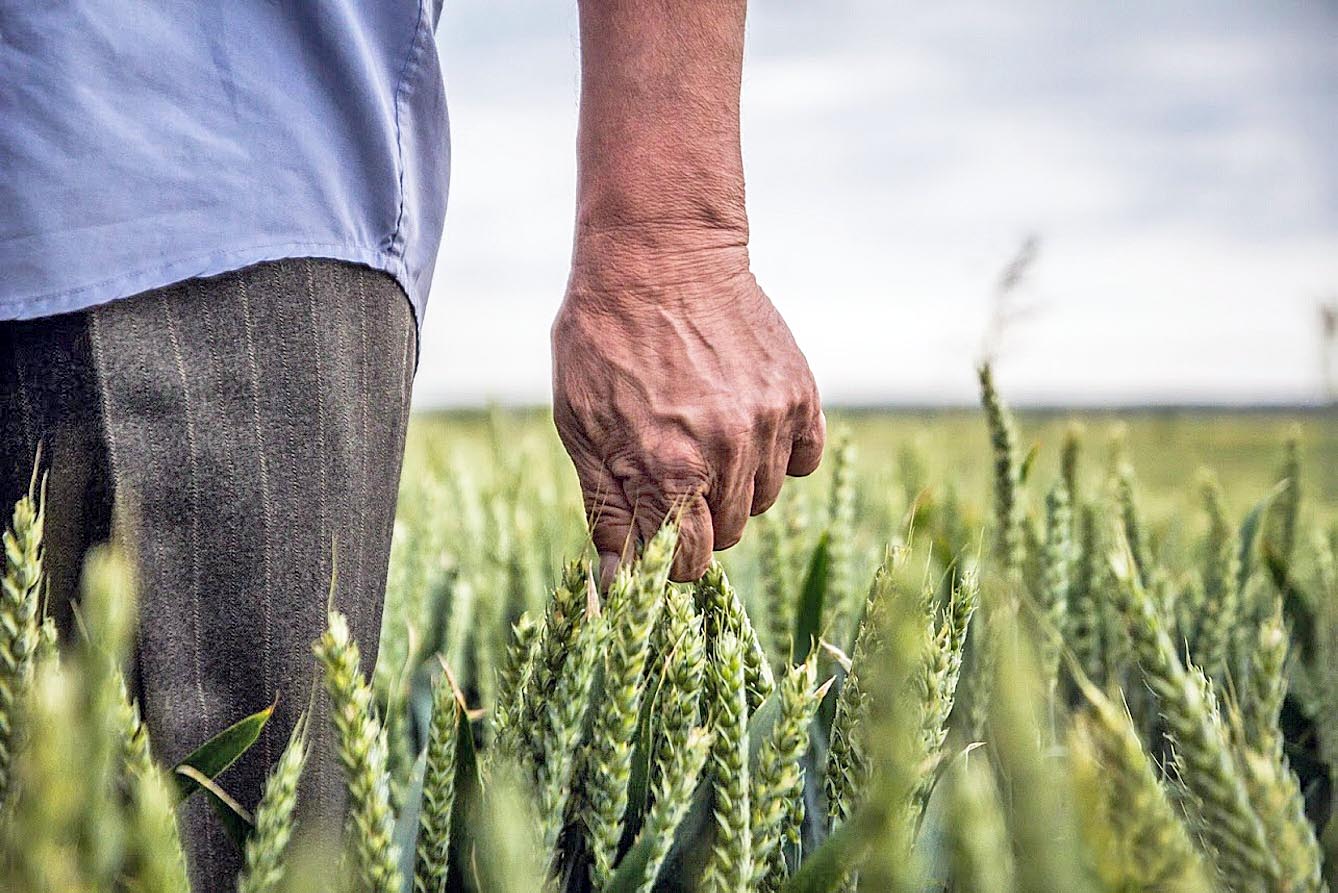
(240, 432)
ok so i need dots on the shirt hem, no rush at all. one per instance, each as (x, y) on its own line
(214, 263)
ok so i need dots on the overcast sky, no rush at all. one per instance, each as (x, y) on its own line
(1179, 163)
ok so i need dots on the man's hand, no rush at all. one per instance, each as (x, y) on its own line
(678, 390)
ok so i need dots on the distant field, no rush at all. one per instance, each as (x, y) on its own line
(1167, 447)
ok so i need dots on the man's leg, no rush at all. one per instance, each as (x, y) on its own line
(253, 425)
(49, 397)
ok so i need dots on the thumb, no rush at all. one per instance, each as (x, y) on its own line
(610, 518)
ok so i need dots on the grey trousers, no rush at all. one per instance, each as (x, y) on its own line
(239, 431)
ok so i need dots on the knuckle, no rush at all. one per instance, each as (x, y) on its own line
(731, 424)
(805, 407)
(788, 404)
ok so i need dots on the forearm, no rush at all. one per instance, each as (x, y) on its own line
(658, 146)
(678, 390)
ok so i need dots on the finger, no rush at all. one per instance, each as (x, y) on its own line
(672, 487)
(610, 518)
(730, 494)
(806, 453)
(729, 514)
(768, 480)
(694, 541)
(609, 562)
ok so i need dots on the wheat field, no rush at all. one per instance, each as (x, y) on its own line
(975, 652)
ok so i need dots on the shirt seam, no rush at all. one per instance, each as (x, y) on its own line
(397, 247)
(73, 293)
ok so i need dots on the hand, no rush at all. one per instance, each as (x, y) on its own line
(678, 390)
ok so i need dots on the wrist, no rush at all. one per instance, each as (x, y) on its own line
(642, 257)
(670, 269)
(661, 187)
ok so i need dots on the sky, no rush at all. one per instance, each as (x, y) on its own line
(1176, 163)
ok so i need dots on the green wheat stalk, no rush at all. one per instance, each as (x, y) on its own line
(562, 725)
(846, 766)
(1009, 541)
(1008, 515)
(979, 851)
(1221, 600)
(107, 601)
(1274, 789)
(893, 745)
(776, 584)
(723, 611)
(562, 622)
(1055, 577)
(841, 591)
(936, 682)
(1213, 791)
(157, 863)
(362, 753)
(1137, 840)
(673, 797)
(152, 860)
(267, 846)
(635, 602)
(684, 650)
(19, 602)
(1042, 814)
(729, 866)
(1190, 608)
(1276, 796)
(1135, 533)
(1068, 460)
(778, 783)
(1284, 514)
(434, 821)
(136, 753)
(1265, 684)
(41, 830)
(513, 683)
(1085, 622)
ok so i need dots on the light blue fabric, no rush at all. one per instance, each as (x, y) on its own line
(143, 142)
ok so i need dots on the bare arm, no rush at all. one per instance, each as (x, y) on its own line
(677, 386)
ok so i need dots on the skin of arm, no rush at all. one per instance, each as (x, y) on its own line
(677, 387)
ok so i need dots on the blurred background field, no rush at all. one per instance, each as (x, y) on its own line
(901, 450)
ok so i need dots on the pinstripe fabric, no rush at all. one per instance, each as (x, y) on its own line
(48, 392)
(245, 431)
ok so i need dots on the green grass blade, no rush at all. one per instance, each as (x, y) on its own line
(808, 616)
(218, 753)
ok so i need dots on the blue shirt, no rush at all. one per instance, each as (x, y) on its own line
(143, 142)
